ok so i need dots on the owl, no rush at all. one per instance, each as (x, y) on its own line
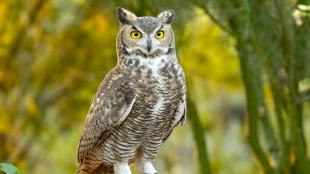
(139, 102)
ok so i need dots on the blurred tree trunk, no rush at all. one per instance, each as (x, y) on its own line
(270, 45)
(199, 137)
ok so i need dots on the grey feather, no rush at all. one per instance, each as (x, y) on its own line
(140, 102)
(110, 107)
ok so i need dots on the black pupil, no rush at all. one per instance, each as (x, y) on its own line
(158, 34)
(136, 34)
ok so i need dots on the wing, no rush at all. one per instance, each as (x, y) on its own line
(110, 107)
(179, 116)
(180, 112)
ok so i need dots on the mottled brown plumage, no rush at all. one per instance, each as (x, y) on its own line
(138, 103)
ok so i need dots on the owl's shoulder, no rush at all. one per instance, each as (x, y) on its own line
(113, 79)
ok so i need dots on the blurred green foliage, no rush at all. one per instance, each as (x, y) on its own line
(247, 64)
(8, 168)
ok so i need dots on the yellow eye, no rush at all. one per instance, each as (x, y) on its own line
(135, 34)
(159, 34)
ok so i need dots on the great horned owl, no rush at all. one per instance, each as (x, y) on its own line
(138, 103)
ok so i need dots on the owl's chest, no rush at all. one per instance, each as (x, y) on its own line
(159, 87)
(158, 73)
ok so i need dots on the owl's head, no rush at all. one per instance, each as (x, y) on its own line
(145, 34)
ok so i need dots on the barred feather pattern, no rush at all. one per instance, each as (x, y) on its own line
(135, 109)
(152, 118)
(159, 89)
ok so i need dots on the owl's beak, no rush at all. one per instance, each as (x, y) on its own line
(149, 44)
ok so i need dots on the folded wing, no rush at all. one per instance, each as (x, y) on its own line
(111, 106)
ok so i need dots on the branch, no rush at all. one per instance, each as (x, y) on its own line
(250, 77)
(213, 18)
(199, 137)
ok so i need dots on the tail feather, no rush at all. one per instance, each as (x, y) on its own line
(104, 170)
(94, 169)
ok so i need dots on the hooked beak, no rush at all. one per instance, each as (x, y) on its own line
(149, 44)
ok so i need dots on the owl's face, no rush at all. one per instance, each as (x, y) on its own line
(146, 34)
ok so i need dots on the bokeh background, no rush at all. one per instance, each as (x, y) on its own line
(247, 64)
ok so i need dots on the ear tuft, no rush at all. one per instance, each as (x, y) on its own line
(125, 16)
(167, 16)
